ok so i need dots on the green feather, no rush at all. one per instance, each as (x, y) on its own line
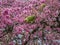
(30, 19)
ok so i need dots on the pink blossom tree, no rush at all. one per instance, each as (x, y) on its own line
(29, 22)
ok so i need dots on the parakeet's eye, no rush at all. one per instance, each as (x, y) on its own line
(30, 19)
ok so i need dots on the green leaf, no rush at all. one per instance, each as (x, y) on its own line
(8, 29)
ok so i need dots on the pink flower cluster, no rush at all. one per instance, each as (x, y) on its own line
(14, 30)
